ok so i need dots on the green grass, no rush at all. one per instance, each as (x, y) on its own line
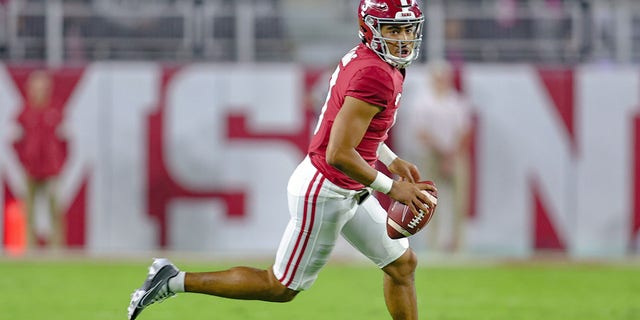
(85, 289)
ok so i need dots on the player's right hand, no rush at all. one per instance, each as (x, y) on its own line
(411, 195)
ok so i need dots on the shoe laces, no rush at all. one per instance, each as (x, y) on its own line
(162, 294)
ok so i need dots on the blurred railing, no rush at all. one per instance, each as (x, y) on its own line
(312, 32)
(76, 31)
(548, 31)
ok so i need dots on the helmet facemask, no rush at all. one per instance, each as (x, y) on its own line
(380, 44)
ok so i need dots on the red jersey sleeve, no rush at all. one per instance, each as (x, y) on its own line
(372, 85)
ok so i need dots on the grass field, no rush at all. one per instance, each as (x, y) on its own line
(90, 289)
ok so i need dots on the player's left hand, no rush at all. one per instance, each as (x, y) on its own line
(407, 171)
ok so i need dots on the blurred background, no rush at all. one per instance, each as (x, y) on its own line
(176, 123)
(311, 32)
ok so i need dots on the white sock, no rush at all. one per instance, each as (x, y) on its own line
(176, 284)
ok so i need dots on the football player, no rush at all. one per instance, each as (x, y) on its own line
(329, 190)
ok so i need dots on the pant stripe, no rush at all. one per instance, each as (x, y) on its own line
(306, 229)
(308, 233)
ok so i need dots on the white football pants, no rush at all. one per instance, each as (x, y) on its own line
(320, 211)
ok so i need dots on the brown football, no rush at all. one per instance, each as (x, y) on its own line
(401, 222)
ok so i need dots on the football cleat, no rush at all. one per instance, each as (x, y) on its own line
(155, 288)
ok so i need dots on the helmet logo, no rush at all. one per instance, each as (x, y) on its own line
(374, 4)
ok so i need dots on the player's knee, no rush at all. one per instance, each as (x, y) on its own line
(280, 293)
(403, 269)
(285, 295)
(409, 263)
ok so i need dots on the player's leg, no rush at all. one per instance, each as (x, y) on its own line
(461, 200)
(304, 249)
(366, 231)
(165, 280)
(58, 231)
(239, 283)
(318, 211)
(399, 287)
(32, 230)
(317, 215)
(430, 167)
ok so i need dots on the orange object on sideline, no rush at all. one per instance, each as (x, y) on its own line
(15, 229)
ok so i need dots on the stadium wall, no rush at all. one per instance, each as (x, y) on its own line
(196, 157)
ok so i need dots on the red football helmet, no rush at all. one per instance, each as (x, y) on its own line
(374, 13)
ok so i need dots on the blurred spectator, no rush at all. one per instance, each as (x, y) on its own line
(42, 152)
(453, 31)
(441, 124)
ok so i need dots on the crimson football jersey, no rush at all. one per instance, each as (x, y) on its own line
(360, 74)
(41, 151)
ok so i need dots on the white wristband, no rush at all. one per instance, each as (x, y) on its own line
(385, 155)
(382, 183)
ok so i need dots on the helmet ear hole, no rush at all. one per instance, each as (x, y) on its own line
(369, 20)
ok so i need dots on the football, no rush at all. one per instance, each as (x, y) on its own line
(401, 222)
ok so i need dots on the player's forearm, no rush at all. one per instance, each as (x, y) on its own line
(353, 165)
